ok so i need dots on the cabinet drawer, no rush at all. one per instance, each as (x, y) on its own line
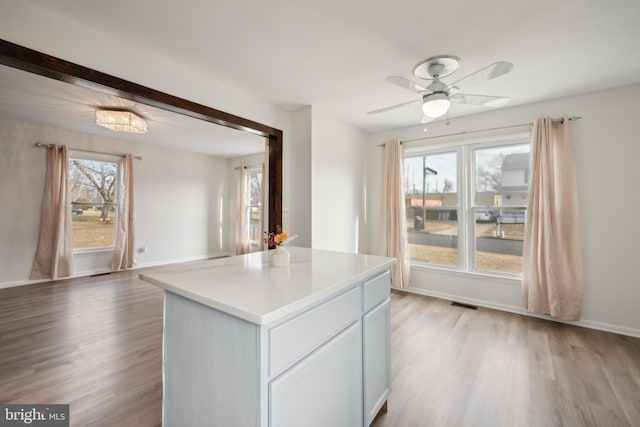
(376, 290)
(299, 336)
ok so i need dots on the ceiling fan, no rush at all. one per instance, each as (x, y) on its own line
(438, 96)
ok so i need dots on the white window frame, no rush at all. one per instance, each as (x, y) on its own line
(466, 204)
(248, 172)
(101, 157)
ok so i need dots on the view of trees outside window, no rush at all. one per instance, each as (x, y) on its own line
(93, 190)
(254, 184)
(431, 194)
(499, 179)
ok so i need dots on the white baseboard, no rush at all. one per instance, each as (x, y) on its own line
(21, 283)
(108, 270)
(590, 324)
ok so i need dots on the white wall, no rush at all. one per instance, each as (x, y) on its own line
(337, 190)
(297, 169)
(327, 186)
(178, 197)
(607, 150)
(22, 172)
(180, 200)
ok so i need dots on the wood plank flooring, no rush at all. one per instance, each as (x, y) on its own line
(93, 343)
(453, 366)
(96, 343)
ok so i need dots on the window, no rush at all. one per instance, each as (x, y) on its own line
(432, 206)
(254, 207)
(501, 177)
(466, 206)
(93, 189)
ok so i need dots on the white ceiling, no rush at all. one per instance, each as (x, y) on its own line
(335, 54)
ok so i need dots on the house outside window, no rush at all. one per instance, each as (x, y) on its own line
(93, 190)
(466, 205)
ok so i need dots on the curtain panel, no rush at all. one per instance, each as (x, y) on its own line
(54, 252)
(123, 256)
(552, 271)
(393, 220)
(242, 220)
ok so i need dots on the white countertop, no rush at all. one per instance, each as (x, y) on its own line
(247, 287)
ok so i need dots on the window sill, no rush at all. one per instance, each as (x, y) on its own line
(93, 251)
(476, 275)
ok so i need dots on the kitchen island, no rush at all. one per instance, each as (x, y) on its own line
(247, 344)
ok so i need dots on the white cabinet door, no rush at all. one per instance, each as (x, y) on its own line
(377, 359)
(324, 389)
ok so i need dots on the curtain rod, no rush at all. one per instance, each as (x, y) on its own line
(248, 166)
(41, 145)
(464, 132)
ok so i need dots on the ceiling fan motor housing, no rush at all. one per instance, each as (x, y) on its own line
(437, 86)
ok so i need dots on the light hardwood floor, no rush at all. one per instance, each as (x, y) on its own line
(93, 343)
(453, 366)
(96, 343)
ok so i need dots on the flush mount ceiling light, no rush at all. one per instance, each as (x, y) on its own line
(435, 105)
(121, 121)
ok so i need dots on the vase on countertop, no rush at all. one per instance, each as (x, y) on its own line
(280, 257)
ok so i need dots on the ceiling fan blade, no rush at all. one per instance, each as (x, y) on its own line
(407, 84)
(487, 73)
(484, 100)
(393, 107)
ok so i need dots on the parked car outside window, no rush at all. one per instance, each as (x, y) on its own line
(487, 215)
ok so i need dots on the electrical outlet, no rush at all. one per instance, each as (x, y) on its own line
(142, 249)
(285, 211)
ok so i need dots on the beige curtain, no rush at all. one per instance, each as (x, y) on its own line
(55, 243)
(552, 261)
(263, 206)
(123, 256)
(393, 224)
(242, 221)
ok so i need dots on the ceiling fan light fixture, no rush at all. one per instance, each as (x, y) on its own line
(435, 105)
(121, 121)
